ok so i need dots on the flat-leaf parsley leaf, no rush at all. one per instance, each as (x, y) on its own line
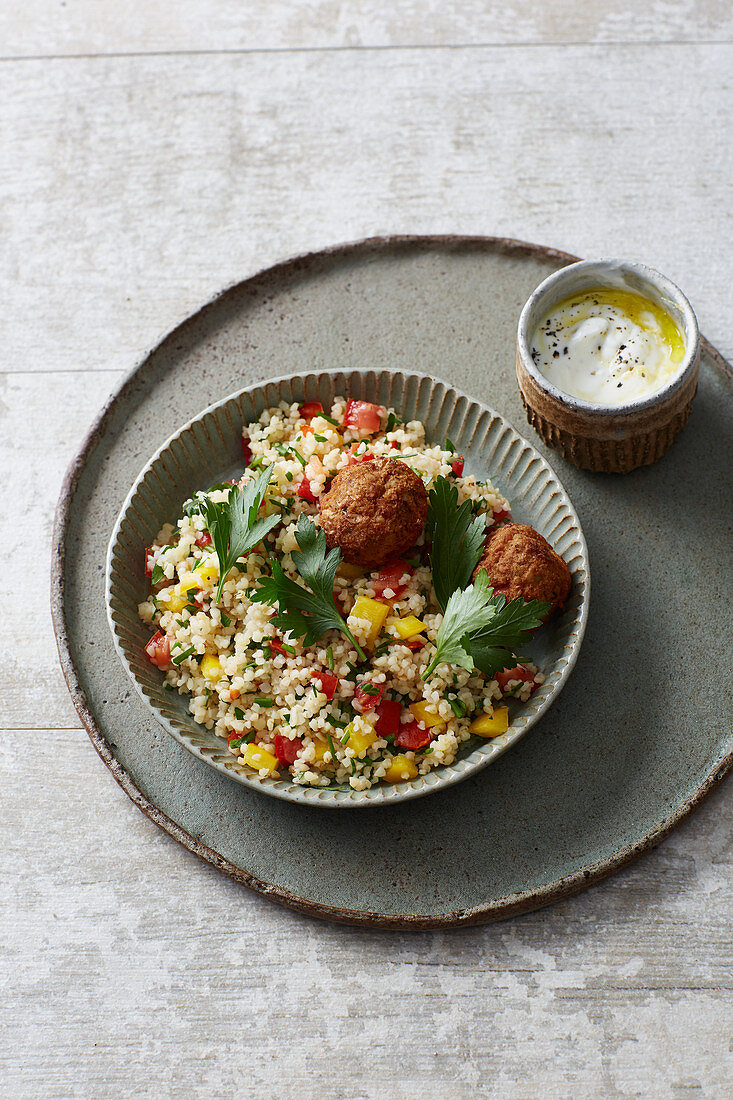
(304, 614)
(457, 539)
(480, 630)
(234, 525)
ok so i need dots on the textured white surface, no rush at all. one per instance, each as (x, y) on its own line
(131, 189)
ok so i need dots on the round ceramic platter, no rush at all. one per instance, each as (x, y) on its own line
(640, 735)
(208, 451)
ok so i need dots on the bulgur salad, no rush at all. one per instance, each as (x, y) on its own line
(350, 611)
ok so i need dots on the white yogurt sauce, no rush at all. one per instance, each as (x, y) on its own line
(607, 346)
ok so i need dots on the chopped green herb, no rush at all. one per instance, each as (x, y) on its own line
(330, 420)
(457, 707)
(263, 701)
(249, 737)
(289, 475)
(353, 766)
(330, 745)
(183, 655)
(345, 739)
(393, 421)
(428, 751)
(320, 438)
(158, 574)
(225, 620)
(449, 446)
(239, 714)
(236, 742)
(337, 722)
(329, 657)
(193, 608)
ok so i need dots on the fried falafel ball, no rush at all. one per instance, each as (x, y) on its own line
(374, 511)
(521, 563)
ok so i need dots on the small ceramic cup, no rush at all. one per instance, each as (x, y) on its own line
(609, 438)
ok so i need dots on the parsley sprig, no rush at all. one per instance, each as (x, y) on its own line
(234, 525)
(302, 613)
(457, 538)
(481, 630)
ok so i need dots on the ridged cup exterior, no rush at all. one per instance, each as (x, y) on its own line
(608, 444)
(208, 450)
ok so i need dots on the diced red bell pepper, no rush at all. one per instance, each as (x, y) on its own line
(158, 650)
(286, 749)
(363, 415)
(148, 561)
(246, 451)
(457, 465)
(502, 516)
(327, 680)
(388, 718)
(518, 673)
(309, 409)
(276, 646)
(390, 576)
(204, 539)
(369, 699)
(304, 490)
(414, 644)
(413, 735)
(395, 445)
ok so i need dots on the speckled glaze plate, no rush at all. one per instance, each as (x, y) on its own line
(208, 451)
(637, 739)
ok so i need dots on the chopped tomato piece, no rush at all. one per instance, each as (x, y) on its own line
(246, 451)
(363, 415)
(413, 644)
(286, 749)
(388, 718)
(304, 491)
(310, 409)
(327, 680)
(502, 515)
(158, 650)
(356, 459)
(148, 561)
(390, 576)
(518, 673)
(413, 735)
(204, 539)
(276, 646)
(369, 696)
(395, 445)
(457, 465)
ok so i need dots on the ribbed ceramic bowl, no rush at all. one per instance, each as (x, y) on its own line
(208, 450)
(608, 438)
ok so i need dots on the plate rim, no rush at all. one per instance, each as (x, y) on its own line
(498, 909)
(392, 794)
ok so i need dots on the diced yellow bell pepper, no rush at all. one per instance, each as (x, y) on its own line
(360, 738)
(321, 748)
(400, 769)
(491, 725)
(189, 582)
(349, 572)
(170, 599)
(258, 757)
(374, 612)
(425, 713)
(208, 572)
(408, 627)
(211, 668)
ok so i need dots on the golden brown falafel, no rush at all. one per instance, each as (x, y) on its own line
(521, 563)
(374, 511)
